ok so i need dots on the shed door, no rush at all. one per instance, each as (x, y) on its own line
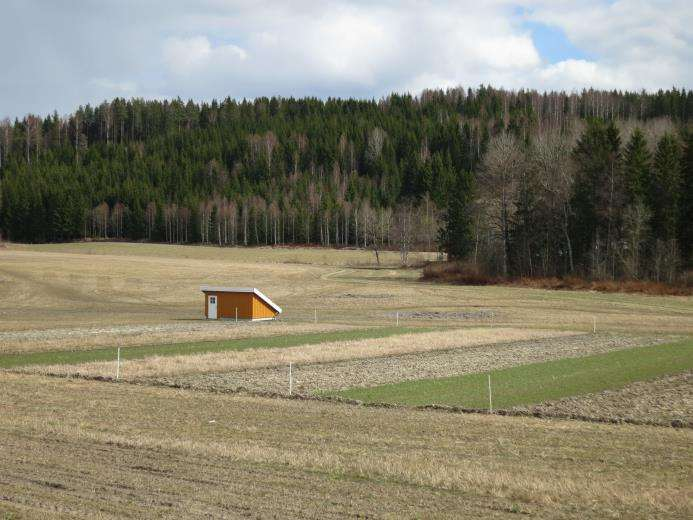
(212, 307)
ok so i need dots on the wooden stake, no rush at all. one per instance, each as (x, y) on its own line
(490, 402)
(291, 380)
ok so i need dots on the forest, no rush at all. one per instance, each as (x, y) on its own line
(520, 183)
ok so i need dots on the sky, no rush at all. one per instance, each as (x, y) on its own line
(58, 55)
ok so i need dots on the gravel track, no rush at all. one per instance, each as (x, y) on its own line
(376, 371)
(665, 401)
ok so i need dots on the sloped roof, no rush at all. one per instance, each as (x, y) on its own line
(256, 292)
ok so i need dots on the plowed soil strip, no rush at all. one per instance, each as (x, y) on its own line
(665, 401)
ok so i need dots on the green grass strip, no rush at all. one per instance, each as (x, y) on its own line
(535, 383)
(74, 357)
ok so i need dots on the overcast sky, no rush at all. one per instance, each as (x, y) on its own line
(60, 54)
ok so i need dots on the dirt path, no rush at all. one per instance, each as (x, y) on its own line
(381, 370)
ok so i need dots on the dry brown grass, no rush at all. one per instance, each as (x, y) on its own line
(162, 366)
(546, 468)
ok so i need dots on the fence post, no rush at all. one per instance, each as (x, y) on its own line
(118, 366)
(291, 380)
(490, 402)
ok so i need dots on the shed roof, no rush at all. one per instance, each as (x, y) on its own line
(253, 290)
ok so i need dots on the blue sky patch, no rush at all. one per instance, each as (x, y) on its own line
(552, 43)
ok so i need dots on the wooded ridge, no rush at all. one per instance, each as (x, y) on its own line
(521, 183)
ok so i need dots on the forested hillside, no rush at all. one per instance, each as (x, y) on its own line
(522, 183)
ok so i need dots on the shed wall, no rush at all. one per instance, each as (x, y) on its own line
(261, 309)
(249, 306)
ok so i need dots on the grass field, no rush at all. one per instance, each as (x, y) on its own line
(199, 347)
(72, 447)
(537, 382)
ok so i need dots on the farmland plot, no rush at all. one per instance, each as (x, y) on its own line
(72, 447)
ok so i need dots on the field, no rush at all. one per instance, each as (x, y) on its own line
(200, 422)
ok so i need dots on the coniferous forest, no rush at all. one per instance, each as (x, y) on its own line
(596, 184)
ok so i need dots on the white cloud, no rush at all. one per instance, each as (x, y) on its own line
(635, 44)
(187, 55)
(239, 48)
(118, 87)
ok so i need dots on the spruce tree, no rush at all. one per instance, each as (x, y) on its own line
(456, 235)
(686, 213)
(665, 188)
(636, 168)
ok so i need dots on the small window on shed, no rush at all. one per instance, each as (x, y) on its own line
(212, 299)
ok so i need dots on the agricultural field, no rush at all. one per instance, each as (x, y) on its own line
(592, 393)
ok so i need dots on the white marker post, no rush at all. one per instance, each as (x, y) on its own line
(291, 380)
(316, 315)
(397, 317)
(118, 366)
(490, 402)
(594, 324)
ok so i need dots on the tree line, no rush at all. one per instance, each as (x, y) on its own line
(516, 179)
(599, 199)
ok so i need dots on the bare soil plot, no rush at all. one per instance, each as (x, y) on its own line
(664, 401)
(466, 359)
(157, 366)
(85, 448)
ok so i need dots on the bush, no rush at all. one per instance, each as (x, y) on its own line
(468, 274)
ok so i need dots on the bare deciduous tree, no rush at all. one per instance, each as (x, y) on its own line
(551, 158)
(499, 178)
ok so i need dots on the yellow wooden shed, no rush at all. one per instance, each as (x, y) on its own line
(242, 303)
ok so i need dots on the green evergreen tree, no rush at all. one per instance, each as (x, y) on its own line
(456, 234)
(665, 188)
(636, 168)
(686, 216)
